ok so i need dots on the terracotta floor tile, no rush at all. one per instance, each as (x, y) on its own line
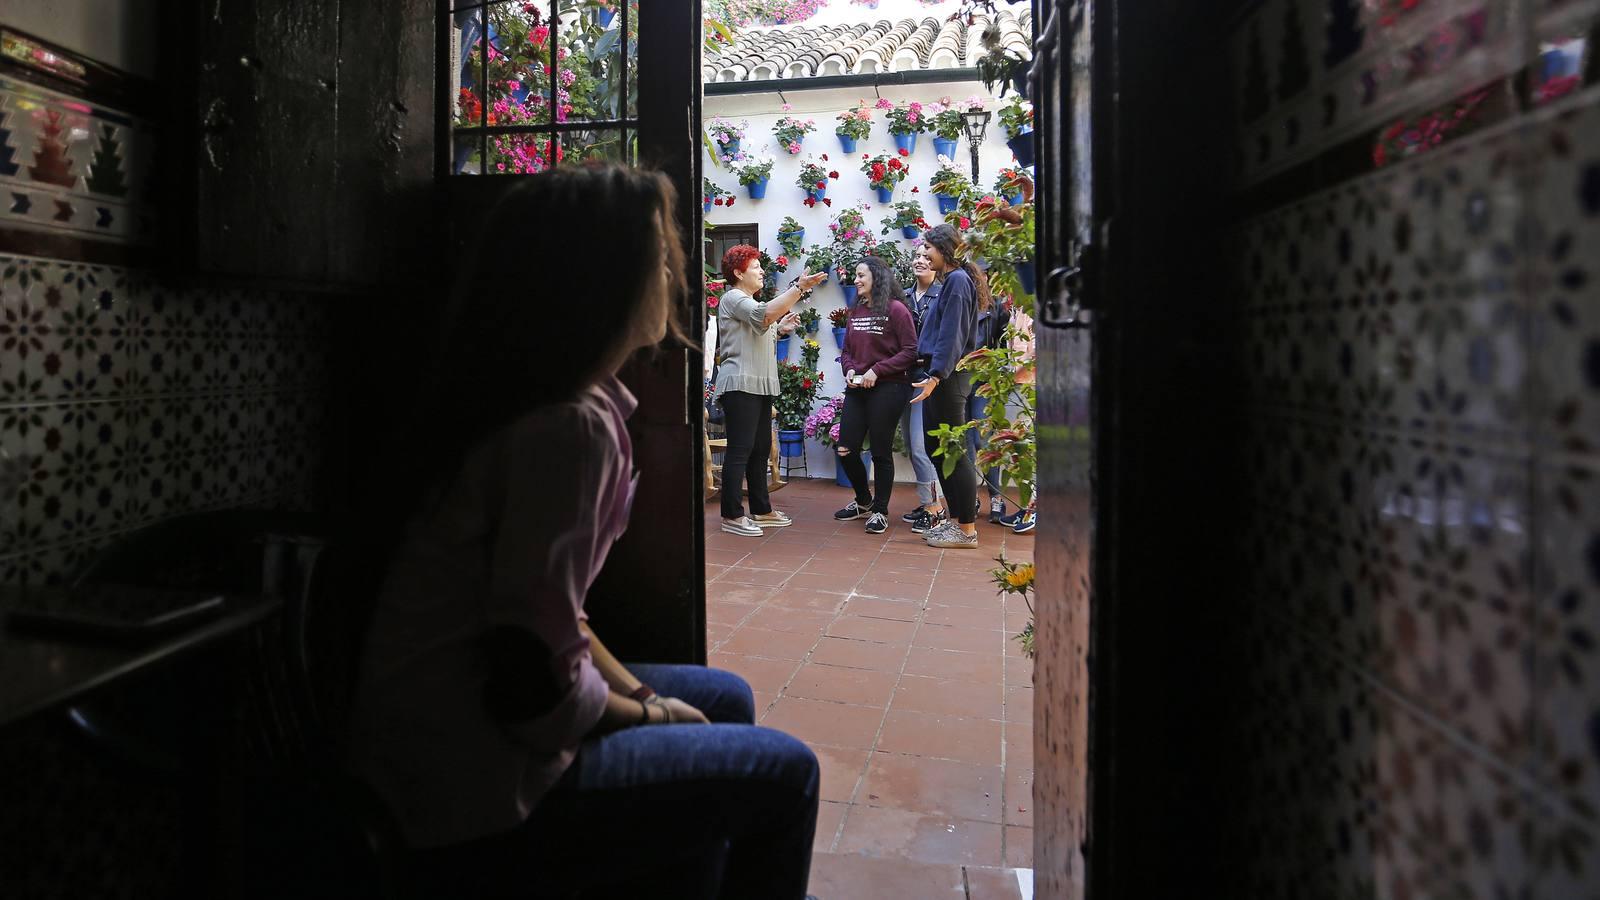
(903, 610)
(804, 598)
(839, 584)
(724, 557)
(863, 687)
(748, 641)
(1016, 619)
(823, 565)
(738, 593)
(992, 884)
(865, 628)
(1019, 745)
(946, 637)
(830, 724)
(1019, 847)
(715, 634)
(788, 537)
(1019, 671)
(841, 876)
(798, 620)
(765, 675)
(878, 657)
(713, 572)
(942, 737)
(899, 834)
(1019, 797)
(948, 697)
(934, 786)
(1019, 704)
(719, 612)
(947, 595)
(829, 817)
(962, 617)
(984, 668)
(744, 575)
(841, 769)
(891, 590)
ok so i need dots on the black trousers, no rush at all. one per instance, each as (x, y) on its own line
(747, 420)
(872, 412)
(948, 406)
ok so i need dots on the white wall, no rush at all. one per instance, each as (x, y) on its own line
(784, 198)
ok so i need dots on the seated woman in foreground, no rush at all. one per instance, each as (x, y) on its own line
(521, 758)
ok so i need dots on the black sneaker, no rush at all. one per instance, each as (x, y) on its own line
(911, 517)
(926, 521)
(977, 507)
(877, 523)
(851, 511)
(997, 509)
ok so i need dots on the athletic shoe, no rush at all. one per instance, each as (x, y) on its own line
(977, 507)
(1027, 523)
(774, 519)
(953, 538)
(938, 530)
(852, 510)
(877, 523)
(997, 509)
(927, 522)
(742, 526)
(911, 517)
(1014, 519)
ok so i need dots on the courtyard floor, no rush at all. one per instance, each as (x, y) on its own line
(895, 663)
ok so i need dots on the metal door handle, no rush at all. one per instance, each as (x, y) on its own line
(1063, 305)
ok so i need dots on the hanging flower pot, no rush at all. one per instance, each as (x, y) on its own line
(838, 337)
(885, 195)
(849, 296)
(847, 143)
(910, 232)
(758, 188)
(1022, 148)
(728, 149)
(781, 345)
(816, 194)
(797, 236)
(841, 478)
(944, 146)
(605, 14)
(791, 443)
(1027, 274)
(707, 205)
(947, 203)
(906, 142)
(1014, 199)
(813, 325)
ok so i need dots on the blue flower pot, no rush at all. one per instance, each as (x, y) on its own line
(708, 205)
(838, 338)
(817, 193)
(729, 148)
(842, 479)
(812, 328)
(910, 231)
(797, 236)
(758, 189)
(885, 195)
(849, 295)
(1022, 148)
(947, 203)
(605, 16)
(781, 345)
(791, 443)
(847, 143)
(906, 142)
(1014, 199)
(944, 147)
(1028, 275)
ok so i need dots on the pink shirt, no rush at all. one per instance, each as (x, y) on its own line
(515, 539)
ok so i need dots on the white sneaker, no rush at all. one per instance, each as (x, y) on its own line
(774, 519)
(742, 526)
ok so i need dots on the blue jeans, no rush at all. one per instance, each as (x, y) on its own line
(917, 449)
(977, 408)
(726, 810)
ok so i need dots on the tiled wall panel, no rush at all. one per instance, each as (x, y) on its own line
(1419, 352)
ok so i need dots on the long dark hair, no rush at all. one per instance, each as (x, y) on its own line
(947, 241)
(885, 289)
(573, 269)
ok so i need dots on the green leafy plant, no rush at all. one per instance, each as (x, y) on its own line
(753, 169)
(907, 214)
(848, 241)
(797, 393)
(1017, 579)
(810, 319)
(884, 171)
(1016, 116)
(907, 118)
(789, 232)
(791, 131)
(855, 123)
(951, 180)
(813, 175)
(900, 258)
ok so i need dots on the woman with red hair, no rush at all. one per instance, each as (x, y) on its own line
(747, 382)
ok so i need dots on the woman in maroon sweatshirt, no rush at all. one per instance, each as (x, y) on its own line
(880, 347)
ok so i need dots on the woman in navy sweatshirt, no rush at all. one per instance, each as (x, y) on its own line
(880, 347)
(949, 333)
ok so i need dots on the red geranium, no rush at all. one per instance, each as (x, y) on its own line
(827, 201)
(806, 383)
(832, 174)
(825, 159)
(915, 189)
(965, 222)
(821, 185)
(904, 152)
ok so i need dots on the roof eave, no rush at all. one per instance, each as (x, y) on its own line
(826, 82)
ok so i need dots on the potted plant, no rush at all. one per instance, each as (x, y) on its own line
(773, 267)
(1009, 184)
(604, 13)
(839, 318)
(949, 185)
(791, 133)
(728, 136)
(713, 194)
(947, 125)
(849, 241)
(797, 393)
(791, 237)
(754, 172)
(885, 172)
(813, 179)
(907, 217)
(810, 320)
(1017, 578)
(1016, 117)
(900, 258)
(854, 125)
(906, 121)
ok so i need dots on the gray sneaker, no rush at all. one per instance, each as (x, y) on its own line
(742, 526)
(953, 539)
(938, 530)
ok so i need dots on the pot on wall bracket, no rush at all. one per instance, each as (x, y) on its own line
(758, 189)
(817, 193)
(838, 338)
(910, 231)
(945, 147)
(781, 345)
(729, 148)
(604, 15)
(707, 205)
(849, 294)
(906, 142)
(797, 237)
(1014, 199)
(791, 442)
(885, 195)
(1027, 274)
(847, 143)
(1022, 148)
(947, 203)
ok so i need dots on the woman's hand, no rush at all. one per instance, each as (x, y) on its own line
(678, 712)
(925, 389)
(789, 323)
(869, 379)
(811, 280)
